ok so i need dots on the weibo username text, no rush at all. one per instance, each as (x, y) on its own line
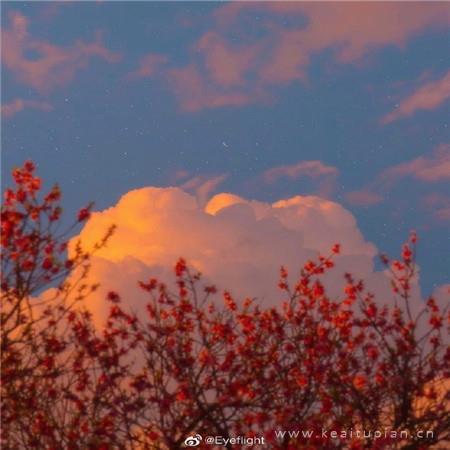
(281, 435)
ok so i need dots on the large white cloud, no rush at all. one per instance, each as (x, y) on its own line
(236, 243)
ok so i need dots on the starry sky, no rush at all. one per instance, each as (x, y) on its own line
(349, 102)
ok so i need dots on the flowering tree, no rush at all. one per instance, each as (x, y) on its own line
(202, 362)
(39, 353)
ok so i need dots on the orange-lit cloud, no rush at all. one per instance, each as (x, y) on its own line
(222, 73)
(202, 186)
(52, 66)
(17, 105)
(236, 243)
(427, 97)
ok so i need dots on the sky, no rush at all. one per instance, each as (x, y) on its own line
(343, 105)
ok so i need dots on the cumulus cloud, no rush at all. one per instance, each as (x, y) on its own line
(17, 105)
(202, 186)
(442, 293)
(53, 65)
(236, 243)
(427, 97)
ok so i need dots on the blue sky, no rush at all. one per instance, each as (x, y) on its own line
(108, 97)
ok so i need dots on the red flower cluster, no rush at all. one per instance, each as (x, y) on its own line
(204, 363)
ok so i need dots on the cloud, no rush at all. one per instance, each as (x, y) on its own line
(427, 169)
(315, 170)
(222, 73)
(363, 198)
(17, 105)
(438, 205)
(310, 169)
(51, 65)
(236, 243)
(202, 186)
(351, 30)
(195, 92)
(427, 97)
(226, 65)
(149, 65)
(442, 293)
(178, 175)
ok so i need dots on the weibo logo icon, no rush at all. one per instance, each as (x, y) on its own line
(193, 441)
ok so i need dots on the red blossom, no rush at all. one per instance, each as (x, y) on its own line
(83, 214)
(336, 249)
(359, 381)
(196, 364)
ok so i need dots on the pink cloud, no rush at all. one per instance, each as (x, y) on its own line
(310, 169)
(222, 73)
(438, 205)
(427, 97)
(17, 105)
(177, 175)
(442, 294)
(428, 169)
(226, 65)
(355, 29)
(149, 65)
(363, 198)
(202, 186)
(324, 175)
(55, 65)
(194, 91)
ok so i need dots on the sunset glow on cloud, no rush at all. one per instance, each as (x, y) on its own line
(226, 74)
(427, 169)
(55, 65)
(225, 218)
(237, 244)
(431, 169)
(18, 104)
(148, 66)
(429, 96)
(311, 169)
(346, 103)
